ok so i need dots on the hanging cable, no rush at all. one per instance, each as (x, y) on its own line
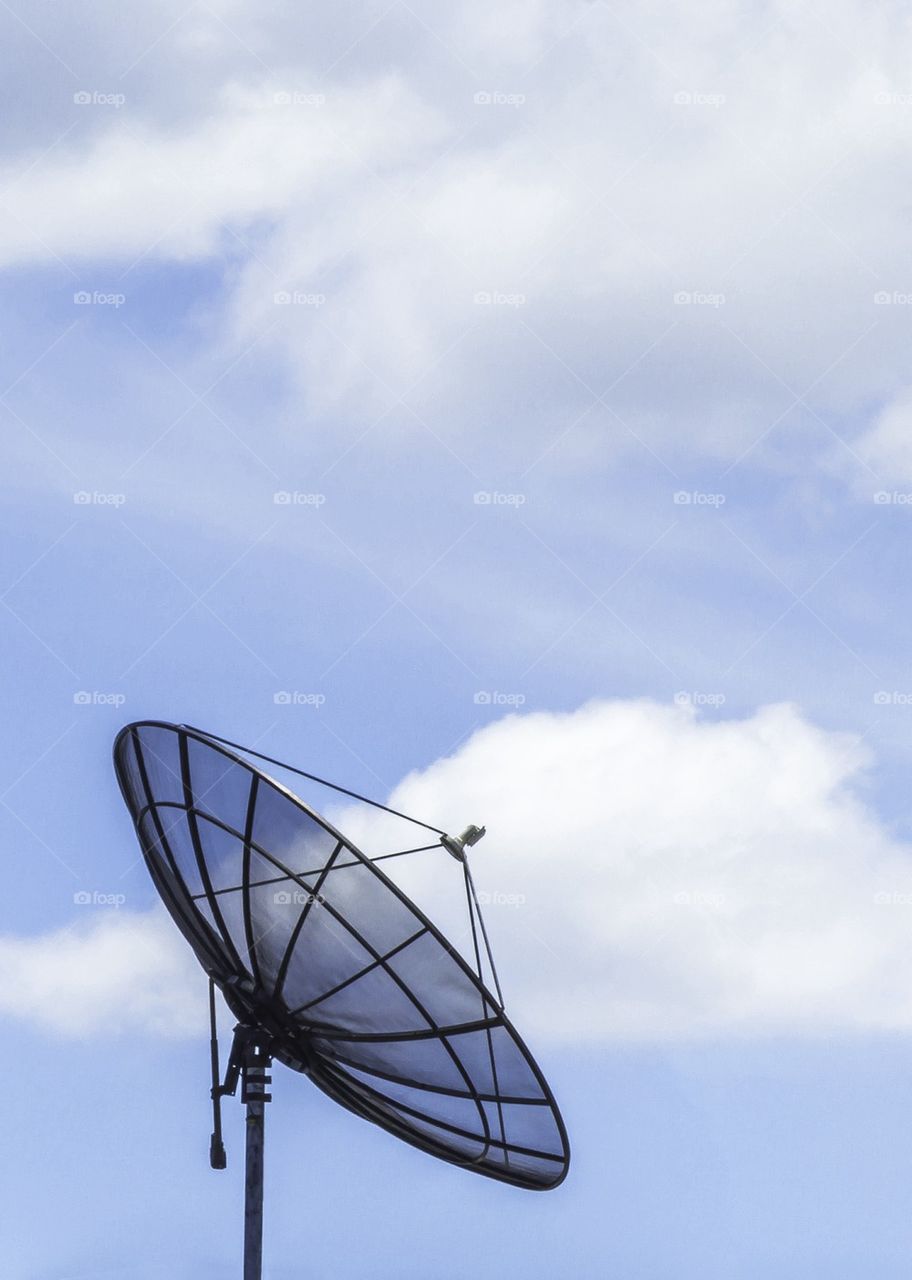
(217, 1156)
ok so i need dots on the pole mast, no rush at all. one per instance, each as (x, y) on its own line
(254, 1095)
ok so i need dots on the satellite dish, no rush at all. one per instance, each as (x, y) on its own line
(330, 969)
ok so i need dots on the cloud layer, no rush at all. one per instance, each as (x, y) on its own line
(705, 254)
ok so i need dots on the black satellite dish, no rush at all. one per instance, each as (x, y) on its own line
(330, 969)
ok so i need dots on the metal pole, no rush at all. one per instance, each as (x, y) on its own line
(253, 1193)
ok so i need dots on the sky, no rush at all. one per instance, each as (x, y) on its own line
(504, 411)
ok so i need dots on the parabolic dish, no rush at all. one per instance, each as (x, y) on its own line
(308, 938)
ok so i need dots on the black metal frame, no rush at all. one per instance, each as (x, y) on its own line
(304, 1043)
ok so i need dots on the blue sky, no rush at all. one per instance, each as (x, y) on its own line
(524, 393)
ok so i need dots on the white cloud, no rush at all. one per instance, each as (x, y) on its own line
(778, 182)
(886, 447)
(116, 972)
(678, 877)
(178, 193)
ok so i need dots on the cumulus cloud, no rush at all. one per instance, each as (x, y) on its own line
(652, 874)
(116, 972)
